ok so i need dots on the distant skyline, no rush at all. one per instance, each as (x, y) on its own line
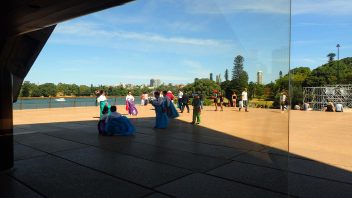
(177, 41)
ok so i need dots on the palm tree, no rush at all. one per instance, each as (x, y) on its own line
(331, 57)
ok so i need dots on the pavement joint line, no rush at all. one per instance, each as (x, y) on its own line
(93, 169)
(221, 165)
(251, 185)
(28, 186)
(149, 194)
(117, 152)
(203, 142)
(175, 179)
(35, 157)
(198, 143)
(136, 141)
(294, 172)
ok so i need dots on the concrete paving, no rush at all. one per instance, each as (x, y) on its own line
(58, 153)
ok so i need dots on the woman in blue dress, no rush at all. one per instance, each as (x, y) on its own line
(160, 105)
(171, 109)
(116, 124)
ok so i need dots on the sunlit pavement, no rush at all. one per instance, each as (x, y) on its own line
(58, 153)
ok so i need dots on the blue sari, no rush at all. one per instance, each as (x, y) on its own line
(172, 111)
(119, 126)
(161, 118)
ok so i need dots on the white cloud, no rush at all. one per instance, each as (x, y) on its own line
(83, 30)
(323, 7)
(238, 6)
(195, 68)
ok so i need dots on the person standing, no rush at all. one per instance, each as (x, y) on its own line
(215, 97)
(245, 99)
(185, 100)
(220, 101)
(142, 99)
(283, 101)
(170, 96)
(103, 101)
(145, 98)
(234, 99)
(160, 105)
(197, 108)
(179, 99)
(130, 106)
(171, 110)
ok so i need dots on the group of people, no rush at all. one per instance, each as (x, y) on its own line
(330, 107)
(242, 103)
(111, 122)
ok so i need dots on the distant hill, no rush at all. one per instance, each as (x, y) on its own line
(335, 72)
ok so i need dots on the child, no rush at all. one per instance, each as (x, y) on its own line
(240, 105)
(197, 108)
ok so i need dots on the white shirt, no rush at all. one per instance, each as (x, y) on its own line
(112, 115)
(244, 95)
(101, 98)
(283, 98)
(180, 94)
(157, 101)
(130, 98)
(339, 107)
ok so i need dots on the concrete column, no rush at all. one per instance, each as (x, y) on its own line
(6, 122)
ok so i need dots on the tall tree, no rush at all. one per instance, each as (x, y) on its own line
(237, 67)
(211, 76)
(218, 79)
(25, 89)
(331, 57)
(226, 75)
(280, 74)
(239, 76)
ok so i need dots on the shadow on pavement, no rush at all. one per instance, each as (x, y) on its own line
(70, 159)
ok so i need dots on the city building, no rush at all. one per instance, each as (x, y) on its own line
(155, 82)
(260, 77)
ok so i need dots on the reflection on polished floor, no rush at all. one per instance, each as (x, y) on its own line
(58, 153)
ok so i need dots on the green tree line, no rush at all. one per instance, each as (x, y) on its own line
(332, 73)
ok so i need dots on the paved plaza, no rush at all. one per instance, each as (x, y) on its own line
(58, 153)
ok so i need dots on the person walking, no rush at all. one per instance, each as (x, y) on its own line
(245, 99)
(179, 99)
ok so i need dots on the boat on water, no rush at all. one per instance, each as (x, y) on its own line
(60, 99)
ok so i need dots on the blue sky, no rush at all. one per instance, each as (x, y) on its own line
(179, 40)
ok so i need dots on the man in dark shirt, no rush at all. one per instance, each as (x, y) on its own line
(185, 100)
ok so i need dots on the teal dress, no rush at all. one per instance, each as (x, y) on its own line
(102, 105)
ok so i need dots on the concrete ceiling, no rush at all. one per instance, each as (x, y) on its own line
(26, 25)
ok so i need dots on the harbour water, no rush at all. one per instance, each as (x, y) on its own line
(40, 103)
